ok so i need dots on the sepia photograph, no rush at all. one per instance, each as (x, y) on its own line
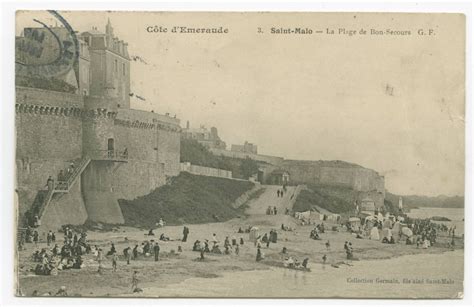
(239, 154)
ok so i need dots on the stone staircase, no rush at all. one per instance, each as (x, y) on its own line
(42, 200)
(65, 186)
(44, 197)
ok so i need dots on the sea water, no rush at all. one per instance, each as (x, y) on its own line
(456, 215)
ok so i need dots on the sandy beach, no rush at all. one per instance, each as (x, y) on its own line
(174, 268)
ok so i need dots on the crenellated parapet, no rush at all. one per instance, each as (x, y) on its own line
(64, 111)
(48, 110)
(99, 113)
(144, 125)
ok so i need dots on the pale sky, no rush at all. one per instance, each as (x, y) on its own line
(312, 97)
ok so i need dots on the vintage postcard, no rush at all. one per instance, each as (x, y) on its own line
(239, 154)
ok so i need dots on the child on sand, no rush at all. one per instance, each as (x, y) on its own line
(114, 262)
(134, 281)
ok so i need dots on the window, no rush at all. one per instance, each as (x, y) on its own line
(123, 69)
(116, 65)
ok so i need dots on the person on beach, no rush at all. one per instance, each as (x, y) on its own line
(114, 262)
(164, 238)
(127, 253)
(99, 260)
(305, 263)
(156, 251)
(185, 233)
(134, 281)
(196, 246)
(349, 254)
(135, 252)
(226, 242)
(275, 210)
(50, 183)
(49, 237)
(112, 250)
(35, 238)
(259, 255)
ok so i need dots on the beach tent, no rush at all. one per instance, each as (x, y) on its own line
(387, 224)
(354, 220)
(355, 223)
(374, 234)
(380, 216)
(386, 233)
(253, 235)
(303, 215)
(396, 231)
(407, 232)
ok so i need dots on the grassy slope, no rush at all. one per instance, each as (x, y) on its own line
(334, 199)
(188, 199)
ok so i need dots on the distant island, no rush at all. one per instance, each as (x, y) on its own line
(416, 201)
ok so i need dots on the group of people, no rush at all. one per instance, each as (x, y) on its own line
(230, 246)
(31, 236)
(69, 256)
(349, 250)
(272, 210)
(286, 228)
(294, 263)
(314, 234)
(247, 230)
(146, 249)
(427, 230)
(281, 192)
(64, 176)
(267, 238)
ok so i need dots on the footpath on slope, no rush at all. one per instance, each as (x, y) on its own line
(257, 208)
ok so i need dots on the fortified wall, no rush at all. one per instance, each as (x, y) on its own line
(124, 153)
(368, 183)
(105, 150)
(244, 155)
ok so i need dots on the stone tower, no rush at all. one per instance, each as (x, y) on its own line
(110, 65)
(109, 91)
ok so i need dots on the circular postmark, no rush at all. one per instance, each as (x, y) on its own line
(47, 51)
